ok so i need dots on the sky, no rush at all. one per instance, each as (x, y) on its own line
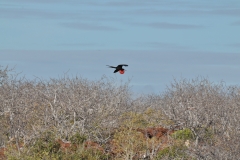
(160, 40)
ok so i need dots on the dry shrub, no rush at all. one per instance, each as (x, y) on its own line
(70, 105)
(211, 111)
(139, 135)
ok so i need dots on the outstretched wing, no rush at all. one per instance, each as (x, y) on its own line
(123, 65)
(120, 66)
(116, 71)
(111, 66)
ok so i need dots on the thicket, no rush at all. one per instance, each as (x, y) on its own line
(201, 119)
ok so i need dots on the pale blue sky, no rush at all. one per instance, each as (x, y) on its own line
(160, 40)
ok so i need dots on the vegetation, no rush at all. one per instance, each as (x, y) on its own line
(173, 152)
(75, 118)
(185, 134)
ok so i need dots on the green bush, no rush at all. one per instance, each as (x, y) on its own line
(80, 154)
(46, 143)
(47, 147)
(184, 134)
(78, 138)
(173, 152)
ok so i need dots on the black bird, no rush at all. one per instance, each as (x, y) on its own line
(119, 68)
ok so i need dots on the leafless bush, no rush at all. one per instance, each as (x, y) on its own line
(210, 110)
(80, 105)
(65, 105)
(70, 105)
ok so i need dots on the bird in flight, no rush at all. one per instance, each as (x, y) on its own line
(119, 68)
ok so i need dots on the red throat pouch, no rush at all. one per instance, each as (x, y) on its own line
(121, 71)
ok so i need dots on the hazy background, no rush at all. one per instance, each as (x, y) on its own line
(159, 40)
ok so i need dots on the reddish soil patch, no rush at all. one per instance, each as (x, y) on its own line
(93, 145)
(2, 156)
(64, 145)
(155, 132)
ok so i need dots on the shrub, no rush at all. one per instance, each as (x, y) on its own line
(173, 152)
(78, 138)
(185, 134)
(47, 147)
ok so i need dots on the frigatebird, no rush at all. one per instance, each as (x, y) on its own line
(119, 68)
